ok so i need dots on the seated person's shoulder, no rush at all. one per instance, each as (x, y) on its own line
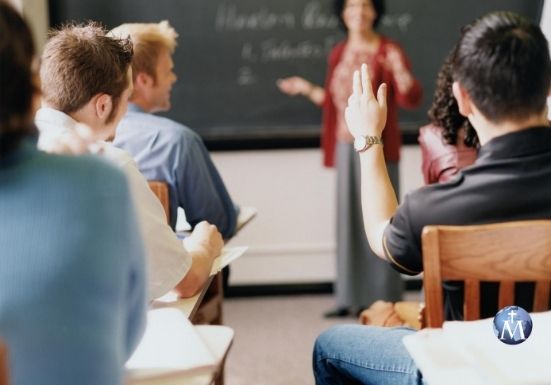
(85, 171)
(432, 141)
(170, 127)
(117, 156)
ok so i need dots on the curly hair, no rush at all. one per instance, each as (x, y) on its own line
(444, 111)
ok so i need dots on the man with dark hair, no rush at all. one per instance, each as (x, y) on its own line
(87, 78)
(501, 70)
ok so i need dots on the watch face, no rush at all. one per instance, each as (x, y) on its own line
(359, 143)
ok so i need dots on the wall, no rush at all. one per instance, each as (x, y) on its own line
(36, 13)
(292, 239)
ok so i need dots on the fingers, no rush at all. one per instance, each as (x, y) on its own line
(366, 82)
(206, 226)
(356, 88)
(381, 96)
(349, 121)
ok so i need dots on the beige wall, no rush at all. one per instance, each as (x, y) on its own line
(16, 3)
(292, 240)
(36, 13)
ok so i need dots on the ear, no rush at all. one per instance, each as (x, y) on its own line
(103, 106)
(463, 99)
(143, 80)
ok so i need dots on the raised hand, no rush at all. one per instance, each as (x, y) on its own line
(294, 85)
(394, 62)
(365, 115)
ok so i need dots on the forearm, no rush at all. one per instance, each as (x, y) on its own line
(379, 201)
(316, 94)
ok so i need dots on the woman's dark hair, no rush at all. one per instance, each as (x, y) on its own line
(444, 111)
(378, 6)
(502, 61)
(16, 79)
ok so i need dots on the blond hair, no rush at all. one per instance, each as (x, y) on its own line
(149, 40)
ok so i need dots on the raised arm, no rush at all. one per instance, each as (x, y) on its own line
(366, 117)
(295, 85)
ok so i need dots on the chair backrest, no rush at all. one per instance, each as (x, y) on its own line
(160, 189)
(505, 252)
(210, 307)
(4, 372)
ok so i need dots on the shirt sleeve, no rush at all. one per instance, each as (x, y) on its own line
(399, 244)
(167, 258)
(413, 96)
(201, 191)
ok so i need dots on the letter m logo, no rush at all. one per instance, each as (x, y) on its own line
(507, 326)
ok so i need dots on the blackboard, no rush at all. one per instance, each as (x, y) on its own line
(231, 52)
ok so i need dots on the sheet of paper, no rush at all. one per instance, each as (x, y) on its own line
(183, 228)
(470, 350)
(170, 347)
(228, 255)
(246, 214)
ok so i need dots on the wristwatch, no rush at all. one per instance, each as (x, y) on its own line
(362, 143)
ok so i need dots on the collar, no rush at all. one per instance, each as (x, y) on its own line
(529, 141)
(53, 124)
(48, 119)
(134, 108)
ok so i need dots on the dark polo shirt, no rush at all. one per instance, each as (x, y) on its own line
(510, 180)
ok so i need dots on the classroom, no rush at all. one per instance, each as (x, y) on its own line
(256, 192)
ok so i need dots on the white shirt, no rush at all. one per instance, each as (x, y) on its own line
(168, 260)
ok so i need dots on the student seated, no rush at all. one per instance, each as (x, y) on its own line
(449, 142)
(164, 149)
(502, 71)
(87, 78)
(72, 271)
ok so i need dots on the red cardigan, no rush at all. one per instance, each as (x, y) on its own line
(391, 134)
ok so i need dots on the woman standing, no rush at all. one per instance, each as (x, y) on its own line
(361, 279)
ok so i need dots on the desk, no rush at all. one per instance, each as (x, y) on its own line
(173, 351)
(206, 306)
(189, 306)
(246, 214)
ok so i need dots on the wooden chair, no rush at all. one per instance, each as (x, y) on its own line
(4, 372)
(505, 252)
(210, 309)
(160, 189)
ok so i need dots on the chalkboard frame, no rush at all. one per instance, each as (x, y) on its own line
(306, 135)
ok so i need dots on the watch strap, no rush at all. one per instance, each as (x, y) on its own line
(370, 140)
